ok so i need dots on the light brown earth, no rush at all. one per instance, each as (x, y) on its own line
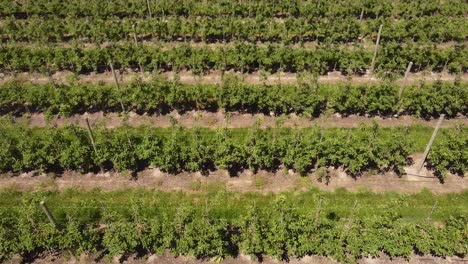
(215, 76)
(247, 181)
(168, 258)
(219, 119)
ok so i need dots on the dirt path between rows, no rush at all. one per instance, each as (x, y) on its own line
(215, 77)
(220, 119)
(168, 258)
(166, 45)
(247, 181)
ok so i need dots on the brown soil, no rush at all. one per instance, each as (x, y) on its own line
(247, 181)
(168, 258)
(236, 120)
(165, 45)
(215, 77)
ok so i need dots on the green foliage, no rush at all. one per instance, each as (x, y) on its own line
(200, 153)
(360, 100)
(200, 235)
(262, 154)
(74, 155)
(158, 234)
(240, 57)
(432, 100)
(229, 154)
(282, 226)
(163, 96)
(48, 21)
(261, 8)
(178, 149)
(81, 238)
(291, 225)
(120, 236)
(450, 154)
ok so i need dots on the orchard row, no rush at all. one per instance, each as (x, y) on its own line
(214, 8)
(221, 29)
(308, 98)
(176, 149)
(392, 58)
(224, 225)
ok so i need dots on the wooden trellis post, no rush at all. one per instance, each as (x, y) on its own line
(149, 8)
(351, 219)
(120, 99)
(114, 75)
(362, 14)
(47, 212)
(134, 35)
(319, 208)
(428, 147)
(51, 219)
(136, 45)
(376, 49)
(91, 137)
(116, 84)
(432, 211)
(402, 86)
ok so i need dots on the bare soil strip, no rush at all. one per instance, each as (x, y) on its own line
(215, 77)
(220, 119)
(168, 258)
(247, 181)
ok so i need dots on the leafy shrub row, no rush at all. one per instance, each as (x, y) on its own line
(393, 58)
(450, 154)
(259, 8)
(307, 98)
(177, 149)
(275, 230)
(228, 28)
